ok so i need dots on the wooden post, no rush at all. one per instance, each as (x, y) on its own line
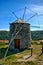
(31, 51)
(42, 47)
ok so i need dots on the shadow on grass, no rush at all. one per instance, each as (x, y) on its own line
(10, 52)
(40, 54)
(28, 57)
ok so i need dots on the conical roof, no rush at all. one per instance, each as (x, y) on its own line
(19, 21)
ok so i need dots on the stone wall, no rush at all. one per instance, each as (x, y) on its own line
(24, 35)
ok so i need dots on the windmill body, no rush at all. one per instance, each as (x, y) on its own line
(23, 38)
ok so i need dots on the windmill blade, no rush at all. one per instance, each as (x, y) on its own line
(11, 41)
(31, 10)
(24, 13)
(40, 14)
(14, 15)
(36, 26)
(32, 16)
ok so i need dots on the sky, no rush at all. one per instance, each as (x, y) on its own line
(18, 6)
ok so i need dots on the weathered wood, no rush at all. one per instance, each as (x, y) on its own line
(30, 48)
(42, 46)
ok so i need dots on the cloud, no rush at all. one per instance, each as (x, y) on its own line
(38, 9)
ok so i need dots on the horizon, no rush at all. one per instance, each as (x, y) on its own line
(9, 30)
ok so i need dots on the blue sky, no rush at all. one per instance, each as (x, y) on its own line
(9, 6)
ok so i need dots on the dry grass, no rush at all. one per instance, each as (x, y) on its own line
(12, 58)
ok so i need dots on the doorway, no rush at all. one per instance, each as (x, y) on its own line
(17, 43)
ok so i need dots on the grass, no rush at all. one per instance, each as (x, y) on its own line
(3, 45)
(21, 63)
(12, 57)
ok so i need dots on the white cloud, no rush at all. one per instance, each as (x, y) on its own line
(38, 9)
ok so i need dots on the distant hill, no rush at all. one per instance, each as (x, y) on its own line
(4, 35)
(36, 35)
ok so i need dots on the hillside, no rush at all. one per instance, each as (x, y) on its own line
(36, 35)
(4, 35)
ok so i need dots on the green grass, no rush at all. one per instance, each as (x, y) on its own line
(12, 57)
(3, 45)
(22, 63)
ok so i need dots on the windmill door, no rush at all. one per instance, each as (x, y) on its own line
(17, 43)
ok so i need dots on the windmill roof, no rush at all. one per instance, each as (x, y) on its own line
(19, 21)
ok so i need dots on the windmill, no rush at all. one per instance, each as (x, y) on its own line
(16, 31)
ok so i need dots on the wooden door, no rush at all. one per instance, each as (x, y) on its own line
(17, 43)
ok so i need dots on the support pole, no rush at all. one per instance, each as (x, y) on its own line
(42, 47)
(11, 41)
(24, 13)
(15, 15)
(32, 16)
(31, 51)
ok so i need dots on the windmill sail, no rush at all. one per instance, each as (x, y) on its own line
(24, 13)
(11, 41)
(36, 26)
